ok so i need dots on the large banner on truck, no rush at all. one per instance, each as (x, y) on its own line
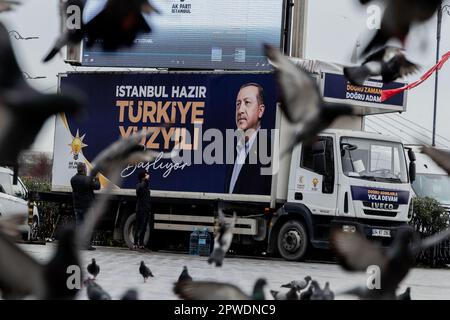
(202, 117)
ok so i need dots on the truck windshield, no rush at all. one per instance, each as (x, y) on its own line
(434, 186)
(373, 160)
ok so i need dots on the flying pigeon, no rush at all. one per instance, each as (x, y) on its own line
(222, 241)
(23, 110)
(299, 285)
(95, 291)
(110, 162)
(8, 5)
(356, 253)
(22, 276)
(206, 290)
(292, 294)
(301, 100)
(117, 25)
(145, 271)
(93, 268)
(389, 62)
(184, 276)
(398, 19)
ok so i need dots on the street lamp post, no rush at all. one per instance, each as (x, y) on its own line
(441, 10)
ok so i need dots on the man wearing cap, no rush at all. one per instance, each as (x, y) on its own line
(83, 188)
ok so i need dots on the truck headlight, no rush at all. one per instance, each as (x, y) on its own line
(349, 228)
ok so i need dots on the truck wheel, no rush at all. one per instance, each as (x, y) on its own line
(292, 241)
(128, 231)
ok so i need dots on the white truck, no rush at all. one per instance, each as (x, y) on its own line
(431, 181)
(14, 201)
(349, 179)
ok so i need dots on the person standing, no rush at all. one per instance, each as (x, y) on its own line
(143, 209)
(83, 188)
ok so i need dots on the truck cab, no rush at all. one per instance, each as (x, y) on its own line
(14, 201)
(352, 180)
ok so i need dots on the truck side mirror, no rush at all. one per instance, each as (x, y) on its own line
(411, 155)
(412, 171)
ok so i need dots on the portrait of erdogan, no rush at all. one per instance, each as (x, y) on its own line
(245, 176)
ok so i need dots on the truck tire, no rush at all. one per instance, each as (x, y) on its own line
(292, 240)
(128, 231)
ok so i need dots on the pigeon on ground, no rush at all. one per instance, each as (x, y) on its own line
(301, 100)
(117, 25)
(184, 276)
(299, 285)
(442, 158)
(389, 62)
(131, 294)
(321, 294)
(93, 268)
(23, 110)
(222, 241)
(292, 294)
(356, 253)
(398, 19)
(405, 295)
(8, 5)
(145, 271)
(22, 276)
(206, 290)
(95, 291)
(307, 294)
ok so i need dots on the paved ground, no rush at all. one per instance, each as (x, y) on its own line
(119, 272)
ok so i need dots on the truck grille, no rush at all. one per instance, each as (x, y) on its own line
(391, 214)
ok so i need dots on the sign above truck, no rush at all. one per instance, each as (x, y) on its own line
(196, 34)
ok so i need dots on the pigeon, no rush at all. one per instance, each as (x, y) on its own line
(184, 276)
(10, 225)
(131, 294)
(95, 291)
(405, 295)
(319, 293)
(299, 285)
(292, 294)
(22, 276)
(93, 268)
(8, 5)
(442, 158)
(389, 62)
(307, 294)
(207, 290)
(222, 241)
(116, 26)
(145, 271)
(23, 107)
(301, 100)
(398, 18)
(356, 253)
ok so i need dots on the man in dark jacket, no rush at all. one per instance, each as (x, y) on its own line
(83, 194)
(143, 208)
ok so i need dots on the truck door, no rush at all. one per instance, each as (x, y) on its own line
(316, 179)
(11, 203)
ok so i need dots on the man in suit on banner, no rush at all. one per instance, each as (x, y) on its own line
(245, 175)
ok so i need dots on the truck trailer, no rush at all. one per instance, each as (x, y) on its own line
(348, 179)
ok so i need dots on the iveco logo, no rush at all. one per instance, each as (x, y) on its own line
(385, 206)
